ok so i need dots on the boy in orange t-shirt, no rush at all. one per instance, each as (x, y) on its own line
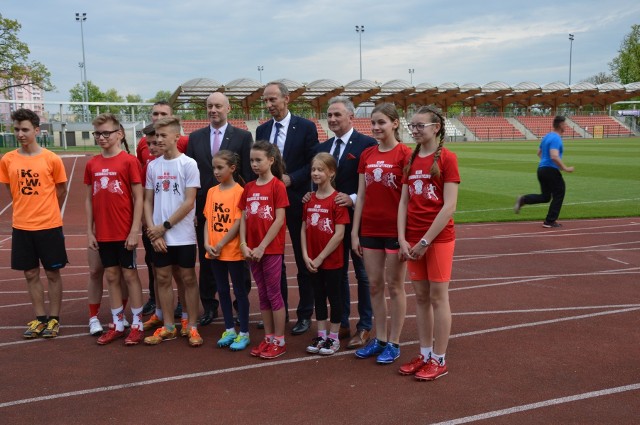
(36, 180)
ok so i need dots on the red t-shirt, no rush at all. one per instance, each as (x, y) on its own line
(426, 195)
(321, 217)
(383, 180)
(259, 204)
(142, 151)
(112, 200)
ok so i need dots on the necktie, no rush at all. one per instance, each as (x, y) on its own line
(216, 142)
(336, 150)
(275, 138)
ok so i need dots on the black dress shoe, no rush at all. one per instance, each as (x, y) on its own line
(301, 327)
(207, 317)
(177, 313)
(149, 307)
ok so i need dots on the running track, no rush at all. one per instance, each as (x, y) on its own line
(545, 330)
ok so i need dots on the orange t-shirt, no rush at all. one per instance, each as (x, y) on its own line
(221, 211)
(32, 180)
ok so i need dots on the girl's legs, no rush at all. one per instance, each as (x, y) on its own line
(374, 263)
(332, 283)
(238, 277)
(220, 273)
(395, 274)
(424, 314)
(439, 295)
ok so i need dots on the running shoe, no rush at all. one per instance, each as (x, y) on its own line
(149, 307)
(135, 337)
(330, 347)
(518, 205)
(431, 371)
(373, 348)
(35, 329)
(52, 330)
(195, 340)
(389, 355)
(257, 350)
(273, 350)
(316, 343)
(240, 343)
(161, 334)
(153, 323)
(111, 335)
(551, 225)
(413, 366)
(95, 327)
(184, 327)
(227, 339)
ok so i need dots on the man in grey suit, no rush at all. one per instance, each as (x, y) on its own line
(203, 144)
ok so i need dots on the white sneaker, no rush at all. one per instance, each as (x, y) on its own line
(95, 327)
(330, 347)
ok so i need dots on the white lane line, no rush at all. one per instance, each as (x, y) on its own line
(66, 198)
(6, 208)
(618, 261)
(541, 404)
(603, 201)
(270, 364)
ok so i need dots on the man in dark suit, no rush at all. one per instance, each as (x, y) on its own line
(297, 139)
(203, 144)
(346, 146)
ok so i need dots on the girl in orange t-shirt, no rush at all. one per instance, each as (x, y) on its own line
(222, 243)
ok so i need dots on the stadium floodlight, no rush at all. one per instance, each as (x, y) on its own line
(81, 18)
(360, 30)
(411, 72)
(260, 69)
(570, 54)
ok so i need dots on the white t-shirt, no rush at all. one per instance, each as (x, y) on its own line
(168, 179)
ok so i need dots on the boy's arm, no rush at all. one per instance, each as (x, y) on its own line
(88, 207)
(138, 205)
(61, 193)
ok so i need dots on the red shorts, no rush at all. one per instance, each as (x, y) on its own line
(435, 265)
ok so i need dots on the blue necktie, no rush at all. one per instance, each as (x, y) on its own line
(275, 138)
(336, 150)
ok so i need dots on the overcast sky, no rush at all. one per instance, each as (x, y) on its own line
(139, 46)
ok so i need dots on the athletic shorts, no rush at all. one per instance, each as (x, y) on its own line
(29, 248)
(114, 254)
(388, 245)
(435, 265)
(182, 255)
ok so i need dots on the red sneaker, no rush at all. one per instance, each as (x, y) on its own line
(111, 335)
(273, 350)
(260, 348)
(431, 371)
(135, 337)
(413, 366)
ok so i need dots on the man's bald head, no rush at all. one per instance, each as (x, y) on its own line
(218, 107)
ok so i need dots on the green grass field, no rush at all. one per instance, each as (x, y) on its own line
(606, 181)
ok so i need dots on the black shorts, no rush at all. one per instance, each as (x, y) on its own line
(114, 254)
(182, 255)
(29, 248)
(388, 245)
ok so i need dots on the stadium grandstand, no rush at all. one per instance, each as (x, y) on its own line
(494, 111)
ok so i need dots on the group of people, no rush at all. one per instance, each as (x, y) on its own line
(220, 197)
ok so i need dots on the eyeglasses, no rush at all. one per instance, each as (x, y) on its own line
(420, 126)
(105, 134)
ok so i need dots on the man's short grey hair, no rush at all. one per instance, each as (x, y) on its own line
(284, 91)
(345, 101)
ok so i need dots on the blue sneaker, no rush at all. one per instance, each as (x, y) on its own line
(373, 348)
(389, 355)
(227, 338)
(240, 343)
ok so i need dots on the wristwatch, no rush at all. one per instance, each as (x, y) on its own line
(167, 225)
(424, 243)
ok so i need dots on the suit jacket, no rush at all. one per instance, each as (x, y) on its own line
(199, 148)
(299, 148)
(347, 177)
